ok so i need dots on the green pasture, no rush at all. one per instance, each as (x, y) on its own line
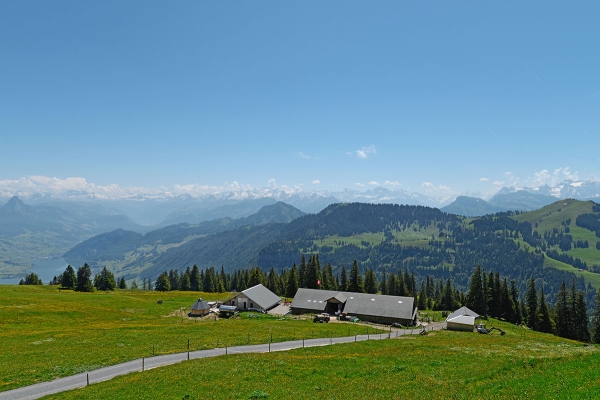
(47, 334)
(454, 365)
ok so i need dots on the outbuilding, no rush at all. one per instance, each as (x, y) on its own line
(462, 319)
(199, 309)
(256, 298)
(367, 307)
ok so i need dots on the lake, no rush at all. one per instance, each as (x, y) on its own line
(46, 270)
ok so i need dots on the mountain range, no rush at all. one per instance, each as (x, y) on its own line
(551, 243)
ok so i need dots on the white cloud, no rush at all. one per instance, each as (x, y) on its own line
(441, 192)
(498, 183)
(316, 182)
(359, 184)
(302, 155)
(363, 152)
(374, 183)
(390, 183)
(483, 179)
(272, 184)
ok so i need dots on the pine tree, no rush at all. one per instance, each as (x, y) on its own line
(84, 275)
(476, 299)
(134, 285)
(313, 278)
(343, 279)
(69, 279)
(532, 306)
(122, 283)
(256, 277)
(546, 324)
(448, 301)
(596, 320)
(162, 282)
(302, 272)
(383, 286)
(185, 284)
(370, 281)
(174, 279)
(422, 303)
(580, 318)
(562, 312)
(292, 283)
(195, 279)
(273, 282)
(356, 283)
(392, 285)
(105, 280)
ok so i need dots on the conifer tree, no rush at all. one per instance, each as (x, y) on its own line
(580, 318)
(355, 283)
(134, 285)
(596, 320)
(122, 283)
(546, 324)
(343, 280)
(475, 299)
(292, 282)
(84, 282)
(195, 279)
(162, 282)
(185, 284)
(370, 281)
(422, 303)
(273, 282)
(302, 272)
(69, 279)
(532, 306)
(392, 285)
(383, 286)
(313, 279)
(562, 312)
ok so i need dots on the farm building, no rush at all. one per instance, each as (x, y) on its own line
(256, 298)
(462, 319)
(199, 309)
(367, 307)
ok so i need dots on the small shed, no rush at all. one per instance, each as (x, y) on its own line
(461, 323)
(199, 309)
(463, 311)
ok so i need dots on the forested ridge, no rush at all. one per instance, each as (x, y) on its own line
(385, 239)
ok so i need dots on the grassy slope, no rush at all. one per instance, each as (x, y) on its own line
(522, 364)
(46, 334)
(552, 216)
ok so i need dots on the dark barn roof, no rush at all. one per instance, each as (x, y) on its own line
(356, 303)
(200, 305)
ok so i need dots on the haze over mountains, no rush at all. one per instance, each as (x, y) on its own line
(162, 208)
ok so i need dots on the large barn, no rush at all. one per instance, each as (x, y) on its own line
(256, 298)
(367, 307)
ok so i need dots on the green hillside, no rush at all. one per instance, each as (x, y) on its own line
(522, 364)
(47, 334)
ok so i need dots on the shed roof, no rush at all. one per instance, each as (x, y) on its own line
(462, 311)
(356, 303)
(200, 305)
(462, 320)
(261, 296)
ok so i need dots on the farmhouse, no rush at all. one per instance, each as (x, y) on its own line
(367, 307)
(462, 319)
(199, 309)
(256, 298)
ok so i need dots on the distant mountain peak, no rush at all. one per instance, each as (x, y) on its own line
(15, 206)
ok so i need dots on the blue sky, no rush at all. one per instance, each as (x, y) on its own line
(439, 97)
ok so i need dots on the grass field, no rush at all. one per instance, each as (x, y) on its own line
(46, 334)
(520, 365)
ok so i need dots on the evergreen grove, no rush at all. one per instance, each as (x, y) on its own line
(489, 295)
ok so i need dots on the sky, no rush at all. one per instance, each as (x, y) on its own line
(432, 97)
